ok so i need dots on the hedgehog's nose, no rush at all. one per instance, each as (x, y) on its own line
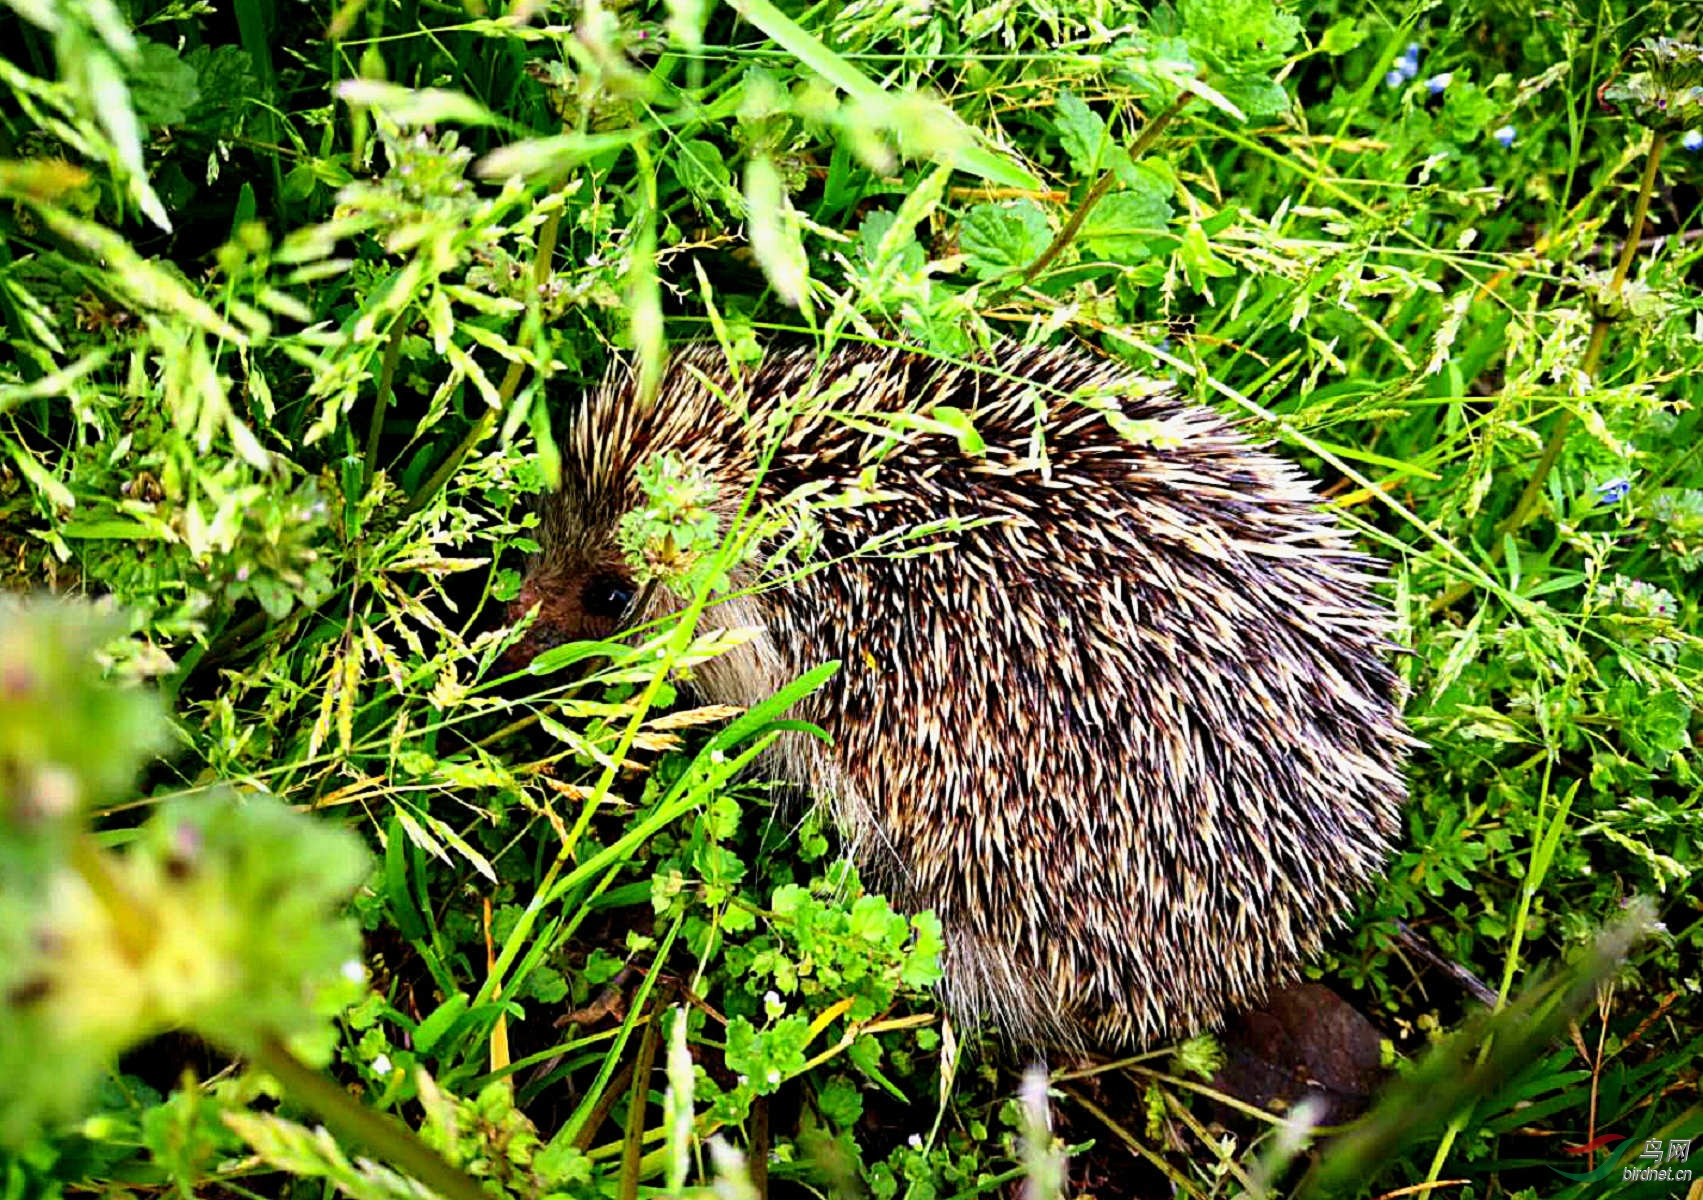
(524, 651)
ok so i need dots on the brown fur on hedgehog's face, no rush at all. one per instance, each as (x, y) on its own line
(580, 602)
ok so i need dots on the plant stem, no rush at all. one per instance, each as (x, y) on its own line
(349, 1118)
(1527, 504)
(632, 1145)
(1102, 185)
(381, 401)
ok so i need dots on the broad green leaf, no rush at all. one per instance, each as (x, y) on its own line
(1256, 95)
(162, 86)
(997, 238)
(1083, 135)
(701, 168)
(1123, 224)
(881, 234)
(1198, 261)
(1239, 35)
(1342, 36)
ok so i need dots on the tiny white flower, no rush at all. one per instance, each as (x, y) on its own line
(354, 971)
(915, 1141)
(1505, 135)
(771, 997)
(381, 1065)
(774, 1076)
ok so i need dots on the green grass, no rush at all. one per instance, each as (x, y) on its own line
(289, 294)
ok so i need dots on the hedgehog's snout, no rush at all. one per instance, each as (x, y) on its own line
(522, 602)
(571, 608)
(540, 637)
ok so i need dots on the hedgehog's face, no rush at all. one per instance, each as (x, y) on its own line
(585, 602)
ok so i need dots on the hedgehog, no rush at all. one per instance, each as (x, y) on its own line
(1131, 732)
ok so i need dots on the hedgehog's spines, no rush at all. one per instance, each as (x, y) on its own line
(1133, 738)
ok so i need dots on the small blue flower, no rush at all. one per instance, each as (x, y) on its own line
(1505, 135)
(1692, 141)
(1394, 79)
(1408, 63)
(1438, 82)
(1613, 491)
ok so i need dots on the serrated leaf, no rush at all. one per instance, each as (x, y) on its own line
(1257, 96)
(1238, 35)
(1124, 224)
(997, 238)
(1083, 134)
(162, 86)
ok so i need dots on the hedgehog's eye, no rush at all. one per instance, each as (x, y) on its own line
(606, 596)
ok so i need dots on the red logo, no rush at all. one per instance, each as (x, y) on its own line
(1596, 1143)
